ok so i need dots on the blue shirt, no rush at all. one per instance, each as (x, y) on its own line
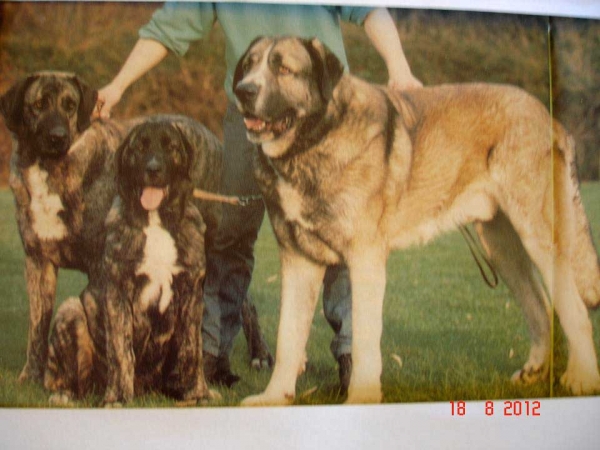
(176, 25)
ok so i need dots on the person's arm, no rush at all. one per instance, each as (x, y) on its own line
(146, 54)
(171, 29)
(381, 31)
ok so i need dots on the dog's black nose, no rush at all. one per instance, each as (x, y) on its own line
(246, 92)
(58, 138)
(153, 166)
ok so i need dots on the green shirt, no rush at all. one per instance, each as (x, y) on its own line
(176, 25)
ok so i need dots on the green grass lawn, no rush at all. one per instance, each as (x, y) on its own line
(457, 338)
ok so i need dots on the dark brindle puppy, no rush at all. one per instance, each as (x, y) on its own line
(62, 181)
(145, 329)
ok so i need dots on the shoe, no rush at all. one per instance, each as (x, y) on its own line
(210, 367)
(344, 371)
(224, 374)
(217, 370)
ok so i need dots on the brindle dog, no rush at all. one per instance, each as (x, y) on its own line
(143, 331)
(62, 178)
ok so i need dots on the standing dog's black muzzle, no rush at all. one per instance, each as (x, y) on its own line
(55, 136)
(246, 92)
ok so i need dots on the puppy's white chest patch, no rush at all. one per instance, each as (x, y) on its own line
(45, 206)
(292, 204)
(159, 265)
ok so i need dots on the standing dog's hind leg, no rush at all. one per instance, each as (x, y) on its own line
(508, 256)
(581, 376)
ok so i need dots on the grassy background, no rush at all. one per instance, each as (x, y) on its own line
(456, 338)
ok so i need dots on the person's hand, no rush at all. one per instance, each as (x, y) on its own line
(383, 34)
(404, 81)
(108, 97)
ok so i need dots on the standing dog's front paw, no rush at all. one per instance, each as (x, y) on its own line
(265, 399)
(579, 381)
(530, 374)
(360, 396)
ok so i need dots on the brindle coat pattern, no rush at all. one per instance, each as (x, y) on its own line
(350, 171)
(133, 343)
(63, 166)
(56, 156)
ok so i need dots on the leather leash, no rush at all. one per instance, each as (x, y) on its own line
(231, 200)
(477, 253)
(475, 250)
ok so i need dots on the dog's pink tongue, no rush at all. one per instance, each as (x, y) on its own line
(152, 198)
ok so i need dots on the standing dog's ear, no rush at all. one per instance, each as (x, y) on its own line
(239, 69)
(121, 177)
(327, 67)
(87, 103)
(11, 103)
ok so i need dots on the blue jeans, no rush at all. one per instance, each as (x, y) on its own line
(230, 258)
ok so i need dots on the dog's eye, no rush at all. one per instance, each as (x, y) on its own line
(284, 70)
(69, 105)
(174, 148)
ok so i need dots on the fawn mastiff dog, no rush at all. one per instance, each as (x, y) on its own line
(350, 171)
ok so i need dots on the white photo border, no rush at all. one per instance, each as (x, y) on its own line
(563, 423)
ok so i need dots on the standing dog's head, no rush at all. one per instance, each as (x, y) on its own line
(154, 167)
(280, 85)
(47, 111)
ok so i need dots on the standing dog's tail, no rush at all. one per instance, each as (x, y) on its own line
(583, 255)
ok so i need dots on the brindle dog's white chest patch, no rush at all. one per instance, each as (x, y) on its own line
(44, 206)
(292, 204)
(159, 265)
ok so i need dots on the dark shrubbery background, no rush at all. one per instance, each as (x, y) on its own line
(93, 40)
